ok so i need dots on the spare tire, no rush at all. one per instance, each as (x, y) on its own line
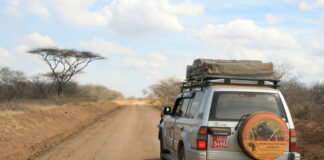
(263, 135)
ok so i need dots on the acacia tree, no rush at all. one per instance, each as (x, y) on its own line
(64, 64)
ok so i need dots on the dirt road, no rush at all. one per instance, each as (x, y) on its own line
(129, 133)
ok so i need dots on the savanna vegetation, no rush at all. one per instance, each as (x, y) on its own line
(306, 101)
(17, 90)
(164, 91)
(64, 64)
(37, 112)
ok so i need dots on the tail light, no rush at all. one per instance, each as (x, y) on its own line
(293, 141)
(202, 138)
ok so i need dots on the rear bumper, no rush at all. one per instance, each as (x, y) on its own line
(294, 156)
(193, 154)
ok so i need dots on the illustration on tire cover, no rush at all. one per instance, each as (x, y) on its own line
(264, 135)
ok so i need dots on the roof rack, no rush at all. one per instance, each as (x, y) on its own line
(204, 80)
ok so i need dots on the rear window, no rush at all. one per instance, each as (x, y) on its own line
(233, 105)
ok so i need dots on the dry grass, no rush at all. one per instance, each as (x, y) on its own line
(10, 113)
(26, 132)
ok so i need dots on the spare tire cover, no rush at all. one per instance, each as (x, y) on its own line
(263, 135)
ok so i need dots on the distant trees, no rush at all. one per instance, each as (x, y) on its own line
(97, 92)
(42, 86)
(305, 101)
(166, 90)
(64, 64)
(17, 88)
(281, 71)
(13, 84)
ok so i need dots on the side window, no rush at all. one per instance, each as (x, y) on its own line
(193, 110)
(177, 106)
(184, 107)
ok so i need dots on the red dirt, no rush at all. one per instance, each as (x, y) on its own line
(130, 133)
(310, 139)
(25, 134)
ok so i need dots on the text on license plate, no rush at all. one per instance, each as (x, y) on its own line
(219, 141)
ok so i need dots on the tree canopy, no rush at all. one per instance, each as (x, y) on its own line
(64, 64)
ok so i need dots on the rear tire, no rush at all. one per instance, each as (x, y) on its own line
(161, 148)
(263, 127)
(181, 154)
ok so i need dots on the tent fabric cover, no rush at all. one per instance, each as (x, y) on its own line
(231, 69)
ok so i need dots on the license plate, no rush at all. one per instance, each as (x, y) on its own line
(219, 141)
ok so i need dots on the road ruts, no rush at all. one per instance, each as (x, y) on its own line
(128, 134)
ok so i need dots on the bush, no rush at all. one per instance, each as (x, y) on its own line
(13, 106)
(304, 102)
(16, 89)
(97, 92)
(165, 90)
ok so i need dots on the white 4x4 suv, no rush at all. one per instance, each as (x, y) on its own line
(228, 118)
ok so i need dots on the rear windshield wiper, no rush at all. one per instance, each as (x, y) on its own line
(241, 119)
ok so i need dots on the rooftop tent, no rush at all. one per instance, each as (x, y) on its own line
(231, 69)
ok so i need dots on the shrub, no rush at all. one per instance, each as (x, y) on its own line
(165, 90)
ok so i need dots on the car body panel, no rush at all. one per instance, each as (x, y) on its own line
(184, 130)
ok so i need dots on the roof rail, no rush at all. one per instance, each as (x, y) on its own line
(202, 81)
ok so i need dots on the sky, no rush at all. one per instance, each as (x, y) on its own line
(148, 40)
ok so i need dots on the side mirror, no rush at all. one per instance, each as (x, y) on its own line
(166, 110)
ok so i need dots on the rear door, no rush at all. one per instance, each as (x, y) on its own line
(191, 121)
(180, 122)
(170, 121)
(226, 111)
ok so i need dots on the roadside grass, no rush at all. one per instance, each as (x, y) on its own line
(18, 107)
(13, 106)
(23, 106)
(27, 129)
(28, 104)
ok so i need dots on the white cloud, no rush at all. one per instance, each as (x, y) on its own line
(158, 56)
(273, 19)
(243, 39)
(21, 54)
(12, 8)
(78, 12)
(289, 1)
(38, 40)
(38, 8)
(6, 58)
(306, 5)
(241, 53)
(147, 16)
(72, 11)
(21, 49)
(105, 47)
(149, 70)
(156, 66)
(127, 17)
(184, 8)
(18, 59)
(321, 23)
(135, 62)
(18, 7)
(246, 33)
